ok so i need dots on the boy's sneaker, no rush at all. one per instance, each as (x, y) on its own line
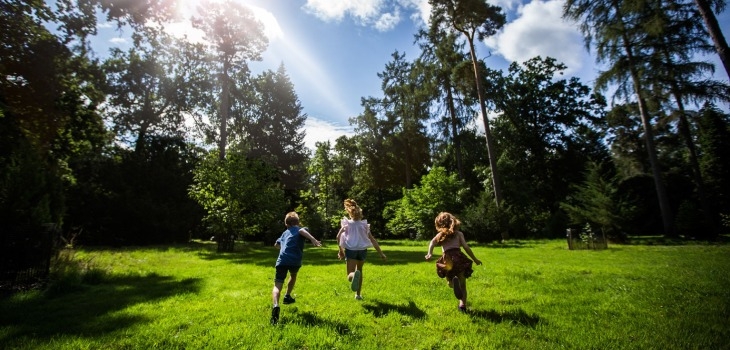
(358, 297)
(462, 309)
(355, 285)
(458, 293)
(288, 299)
(275, 315)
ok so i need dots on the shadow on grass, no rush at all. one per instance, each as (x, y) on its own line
(309, 319)
(265, 255)
(519, 317)
(509, 244)
(86, 310)
(380, 309)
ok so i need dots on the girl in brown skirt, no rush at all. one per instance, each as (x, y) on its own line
(453, 264)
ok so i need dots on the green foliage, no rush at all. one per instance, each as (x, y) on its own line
(548, 127)
(240, 196)
(483, 221)
(413, 215)
(597, 202)
(274, 131)
(714, 143)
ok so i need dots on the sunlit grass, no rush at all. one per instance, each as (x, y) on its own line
(527, 294)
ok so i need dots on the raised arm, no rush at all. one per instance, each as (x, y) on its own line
(311, 238)
(467, 249)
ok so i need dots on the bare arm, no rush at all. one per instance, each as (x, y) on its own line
(467, 249)
(430, 247)
(311, 238)
(341, 249)
(375, 244)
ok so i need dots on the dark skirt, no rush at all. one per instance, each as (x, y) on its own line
(453, 263)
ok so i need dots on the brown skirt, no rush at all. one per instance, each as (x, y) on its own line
(453, 263)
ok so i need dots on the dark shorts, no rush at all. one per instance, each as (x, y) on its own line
(282, 270)
(356, 254)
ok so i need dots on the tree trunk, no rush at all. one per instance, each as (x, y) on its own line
(661, 191)
(224, 108)
(490, 146)
(684, 130)
(496, 181)
(715, 33)
(454, 130)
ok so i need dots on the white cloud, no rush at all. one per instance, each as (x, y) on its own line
(383, 15)
(118, 41)
(318, 130)
(387, 21)
(422, 10)
(106, 25)
(506, 5)
(364, 11)
(539, 30)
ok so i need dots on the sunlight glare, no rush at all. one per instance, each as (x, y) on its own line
(187, 9)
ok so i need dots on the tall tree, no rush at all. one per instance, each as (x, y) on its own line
(405, 102)
(548, 129)
(713, 27)
(275, 130)
(233, 36)
(617, 28)
(475, 19)
(675, 37)
(441, 50)
(144, 95)
(714, 141)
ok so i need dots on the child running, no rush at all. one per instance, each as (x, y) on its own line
(453, 264)
(289, 261)
(354, 238)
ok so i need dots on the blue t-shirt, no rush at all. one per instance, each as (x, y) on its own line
(291, 247)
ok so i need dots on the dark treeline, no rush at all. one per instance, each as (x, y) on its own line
(173, 140)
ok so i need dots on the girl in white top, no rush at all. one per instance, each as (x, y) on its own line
(354, 238)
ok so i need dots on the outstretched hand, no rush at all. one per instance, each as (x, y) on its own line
(477, 261)
(317, 243)
(428, 256)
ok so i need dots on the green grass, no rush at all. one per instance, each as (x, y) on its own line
(526, 295)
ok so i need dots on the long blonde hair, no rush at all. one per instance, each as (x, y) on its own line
(353, 209)
(446, 226)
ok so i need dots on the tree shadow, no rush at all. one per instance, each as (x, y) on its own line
(380, 309)
(519, 317)
(87, 310)
(258, 254)
(309, 319)
(509, 244)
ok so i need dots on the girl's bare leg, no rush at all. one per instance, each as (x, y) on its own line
(360, 264)
(462, 282)
(351, 266)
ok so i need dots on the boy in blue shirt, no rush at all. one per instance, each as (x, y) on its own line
(291, 245)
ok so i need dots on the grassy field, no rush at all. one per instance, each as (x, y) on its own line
(526, 295)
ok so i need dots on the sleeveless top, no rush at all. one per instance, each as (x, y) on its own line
(451, 243)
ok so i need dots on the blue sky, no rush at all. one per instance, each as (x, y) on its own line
(334, 49)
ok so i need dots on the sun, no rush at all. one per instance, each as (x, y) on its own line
(187, 9)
